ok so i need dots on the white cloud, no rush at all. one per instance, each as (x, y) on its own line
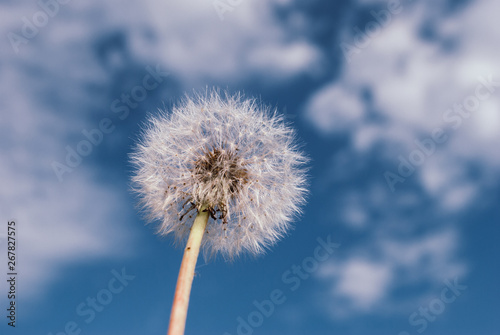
(365, 137)
(445, 180)
(58, 224)
(335, 108)
(429, 258)
(366, 281)
(363, 282)
(187, 37)
(282, 61)
(411, 81)
(194, 43)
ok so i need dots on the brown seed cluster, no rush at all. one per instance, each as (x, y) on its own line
(222, 171)
(223, 165)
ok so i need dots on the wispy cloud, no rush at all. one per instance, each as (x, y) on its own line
(396, 92)
(369, 279)
(46, 100)
(238, 49)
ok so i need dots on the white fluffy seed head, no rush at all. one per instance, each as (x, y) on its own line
(230, 155)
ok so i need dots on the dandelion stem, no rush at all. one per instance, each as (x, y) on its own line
(186, 274)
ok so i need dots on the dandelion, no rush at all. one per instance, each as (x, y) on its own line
(223, 173)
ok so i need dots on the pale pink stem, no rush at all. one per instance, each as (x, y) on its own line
(186, 274)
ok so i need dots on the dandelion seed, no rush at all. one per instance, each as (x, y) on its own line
(224, 156)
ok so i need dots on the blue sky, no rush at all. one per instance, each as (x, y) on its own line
(397, 104)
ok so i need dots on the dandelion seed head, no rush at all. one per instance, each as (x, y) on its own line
(230, 155)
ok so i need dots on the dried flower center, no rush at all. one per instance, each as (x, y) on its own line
(220, 176)
(220, 168)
